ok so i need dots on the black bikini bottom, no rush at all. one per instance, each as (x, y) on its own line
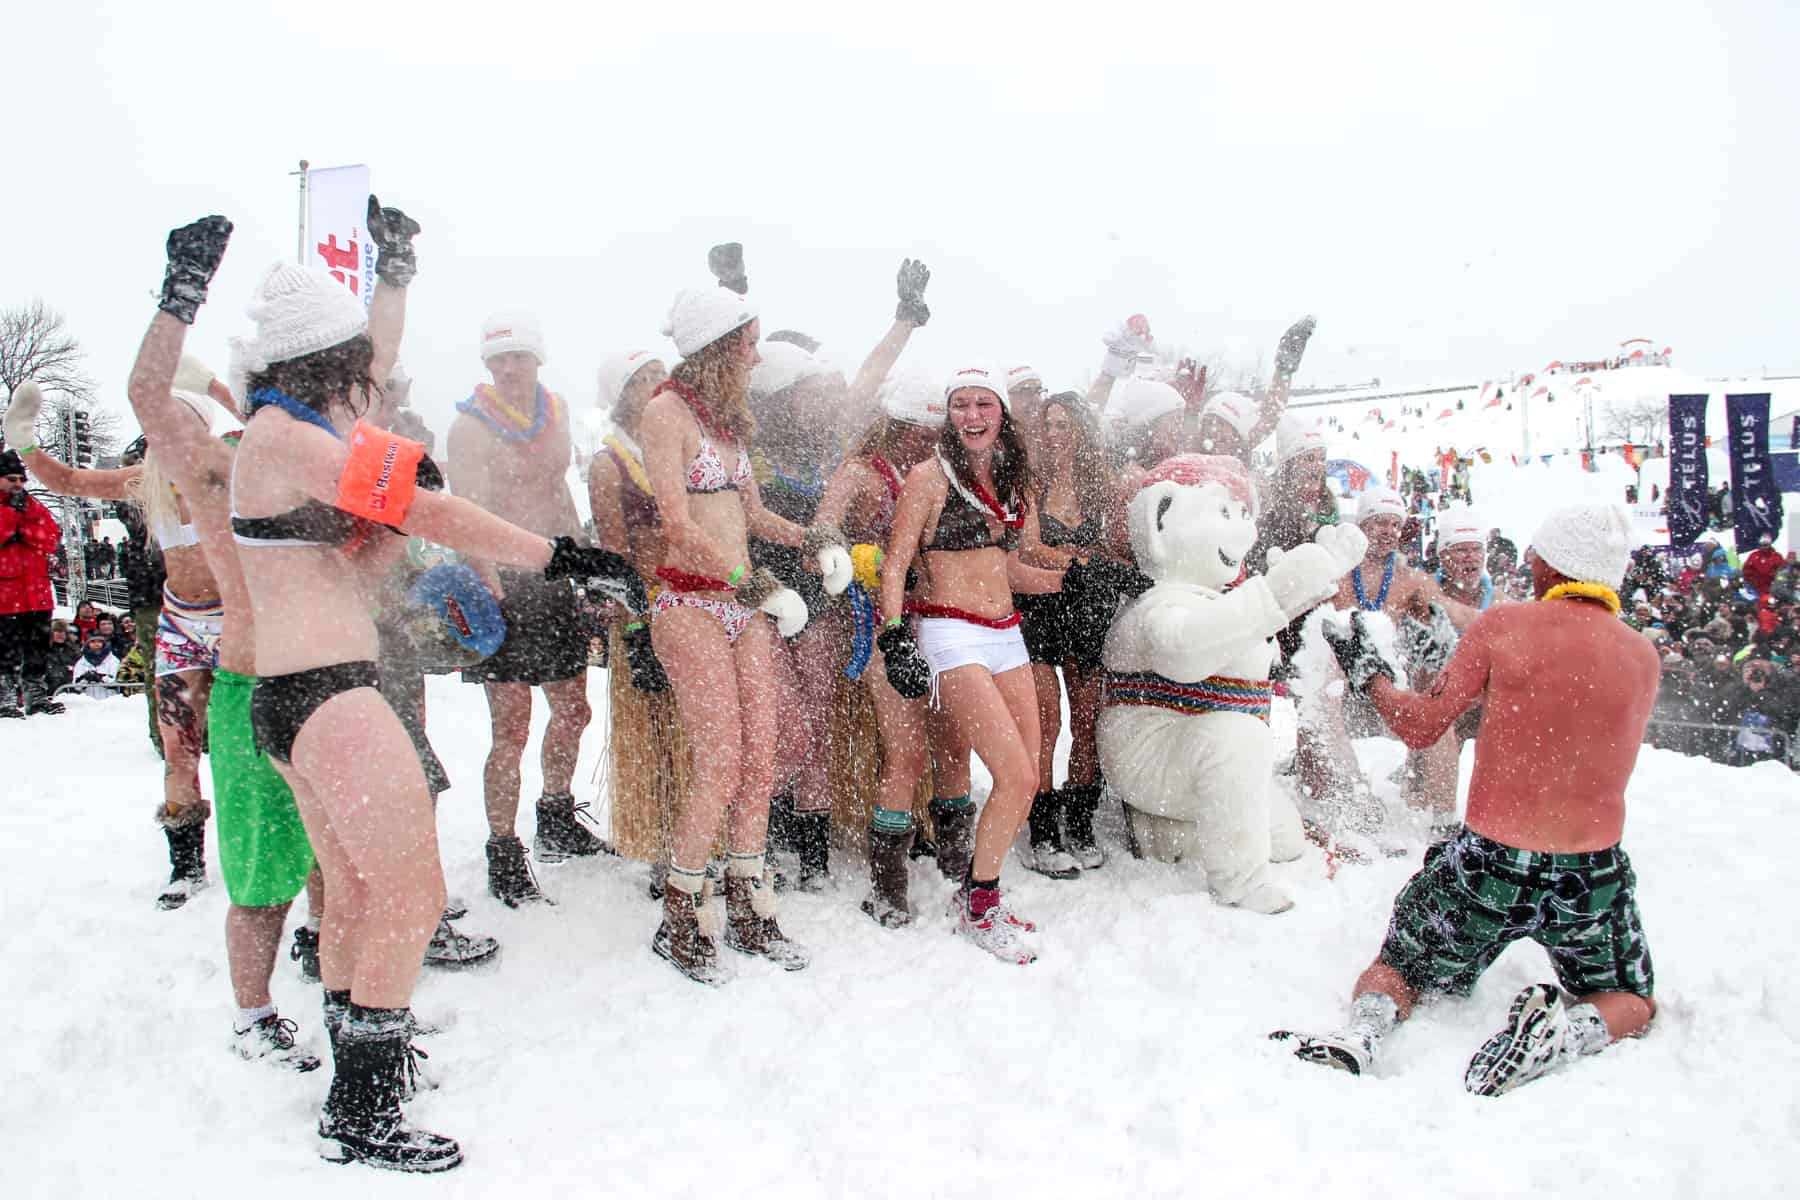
(282, 704)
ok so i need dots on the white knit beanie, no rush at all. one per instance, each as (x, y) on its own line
(1379, 502)
(505, 332)
(1234, 408)
(1296, 435)
(298, 311)
(1136, 402)
(701, 316)
(783, 365)
(1021, 375)
(617, 370)
(1459, 529)
(976, 375)
(914, 398)
(1588, 543)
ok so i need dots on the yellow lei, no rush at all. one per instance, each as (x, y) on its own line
(1586, 591)
(633, 467)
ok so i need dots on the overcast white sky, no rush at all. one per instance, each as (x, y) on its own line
(1455, 193)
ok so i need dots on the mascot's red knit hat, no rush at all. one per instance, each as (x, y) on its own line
(1192, 470)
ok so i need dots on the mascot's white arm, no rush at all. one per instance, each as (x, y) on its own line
(1187, 633)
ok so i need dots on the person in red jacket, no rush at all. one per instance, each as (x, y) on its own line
(1760, 566)
(28, 536)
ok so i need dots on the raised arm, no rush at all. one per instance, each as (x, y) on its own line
(910, 314)
(392, 231)
(1288, 353)
(52, 472)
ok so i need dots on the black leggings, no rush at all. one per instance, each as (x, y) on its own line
(282, 704)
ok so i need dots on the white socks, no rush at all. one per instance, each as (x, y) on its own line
(248, 1017)
(1374, 1015)
(1588, 1033)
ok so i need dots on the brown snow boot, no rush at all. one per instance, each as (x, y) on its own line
(681, 940)
(750, 925)
(888, 848)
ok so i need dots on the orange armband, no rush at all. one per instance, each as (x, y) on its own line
(381, 477)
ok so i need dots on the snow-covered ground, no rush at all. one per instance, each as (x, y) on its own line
(1131, 1058)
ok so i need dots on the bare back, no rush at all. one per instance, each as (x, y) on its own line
(1568, 690)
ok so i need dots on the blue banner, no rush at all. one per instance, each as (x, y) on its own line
(1755, 500)
(1687, 469)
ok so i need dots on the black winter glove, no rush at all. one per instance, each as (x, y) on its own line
(907, 671)
(429, 475)
(194, 253)
(1356, 653)
(602, 571)
(646, 669)
(726, 262)
(392, 231)
(1293, 346)
(914, 275)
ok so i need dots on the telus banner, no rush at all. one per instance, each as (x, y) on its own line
(1755, 500)
(1687, 469)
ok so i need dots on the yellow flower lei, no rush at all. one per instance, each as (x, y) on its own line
(1586, 591)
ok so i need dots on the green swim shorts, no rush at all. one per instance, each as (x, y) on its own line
(1474, 897)
(263, 851)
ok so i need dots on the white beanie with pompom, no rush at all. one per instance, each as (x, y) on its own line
(298, 311)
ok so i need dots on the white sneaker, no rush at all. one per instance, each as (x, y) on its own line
(1535, 1042)
(998, 932)
(271, 1040)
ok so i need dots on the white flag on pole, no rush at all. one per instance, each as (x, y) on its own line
(337, 209)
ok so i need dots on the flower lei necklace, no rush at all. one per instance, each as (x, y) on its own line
(1586, 591)
(1387, 581)
(489, 407)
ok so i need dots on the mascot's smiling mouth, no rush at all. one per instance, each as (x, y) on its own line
(1230, 563)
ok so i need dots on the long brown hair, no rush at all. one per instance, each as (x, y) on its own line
(1094, 484)
(324, 376)
(1013, 479)
(719, 375)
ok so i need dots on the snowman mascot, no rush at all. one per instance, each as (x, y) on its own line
(1184, 736)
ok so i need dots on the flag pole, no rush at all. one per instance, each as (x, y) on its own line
(300, 239)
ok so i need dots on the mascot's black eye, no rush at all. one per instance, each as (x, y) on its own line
(1162, 507)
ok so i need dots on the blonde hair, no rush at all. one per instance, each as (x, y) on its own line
(155, 497)
(721, 378)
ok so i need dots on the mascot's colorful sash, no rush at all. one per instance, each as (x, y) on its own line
(1215, 693)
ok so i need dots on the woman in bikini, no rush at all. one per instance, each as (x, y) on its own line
(311, 484)
(962, 512)
(187, 635)
(861, 499)
(1076, 492)
(709, 631)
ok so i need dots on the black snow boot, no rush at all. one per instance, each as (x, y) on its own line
(509, 874)
(955, 826)
(361, 1120)
(560, 833)
(187, 864)
(11, 705)
(305, 951)
(1047, 856)
(812, 832)
(1079, 804)
(38, 699)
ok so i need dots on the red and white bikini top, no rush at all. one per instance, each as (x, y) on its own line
(706, 470)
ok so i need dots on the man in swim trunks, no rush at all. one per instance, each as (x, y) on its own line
(1568, 690)
(508, 452)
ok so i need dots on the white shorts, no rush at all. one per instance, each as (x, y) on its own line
(187, 636)
(948, 643)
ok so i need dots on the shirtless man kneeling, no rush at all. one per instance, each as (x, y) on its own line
(1568, 690)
